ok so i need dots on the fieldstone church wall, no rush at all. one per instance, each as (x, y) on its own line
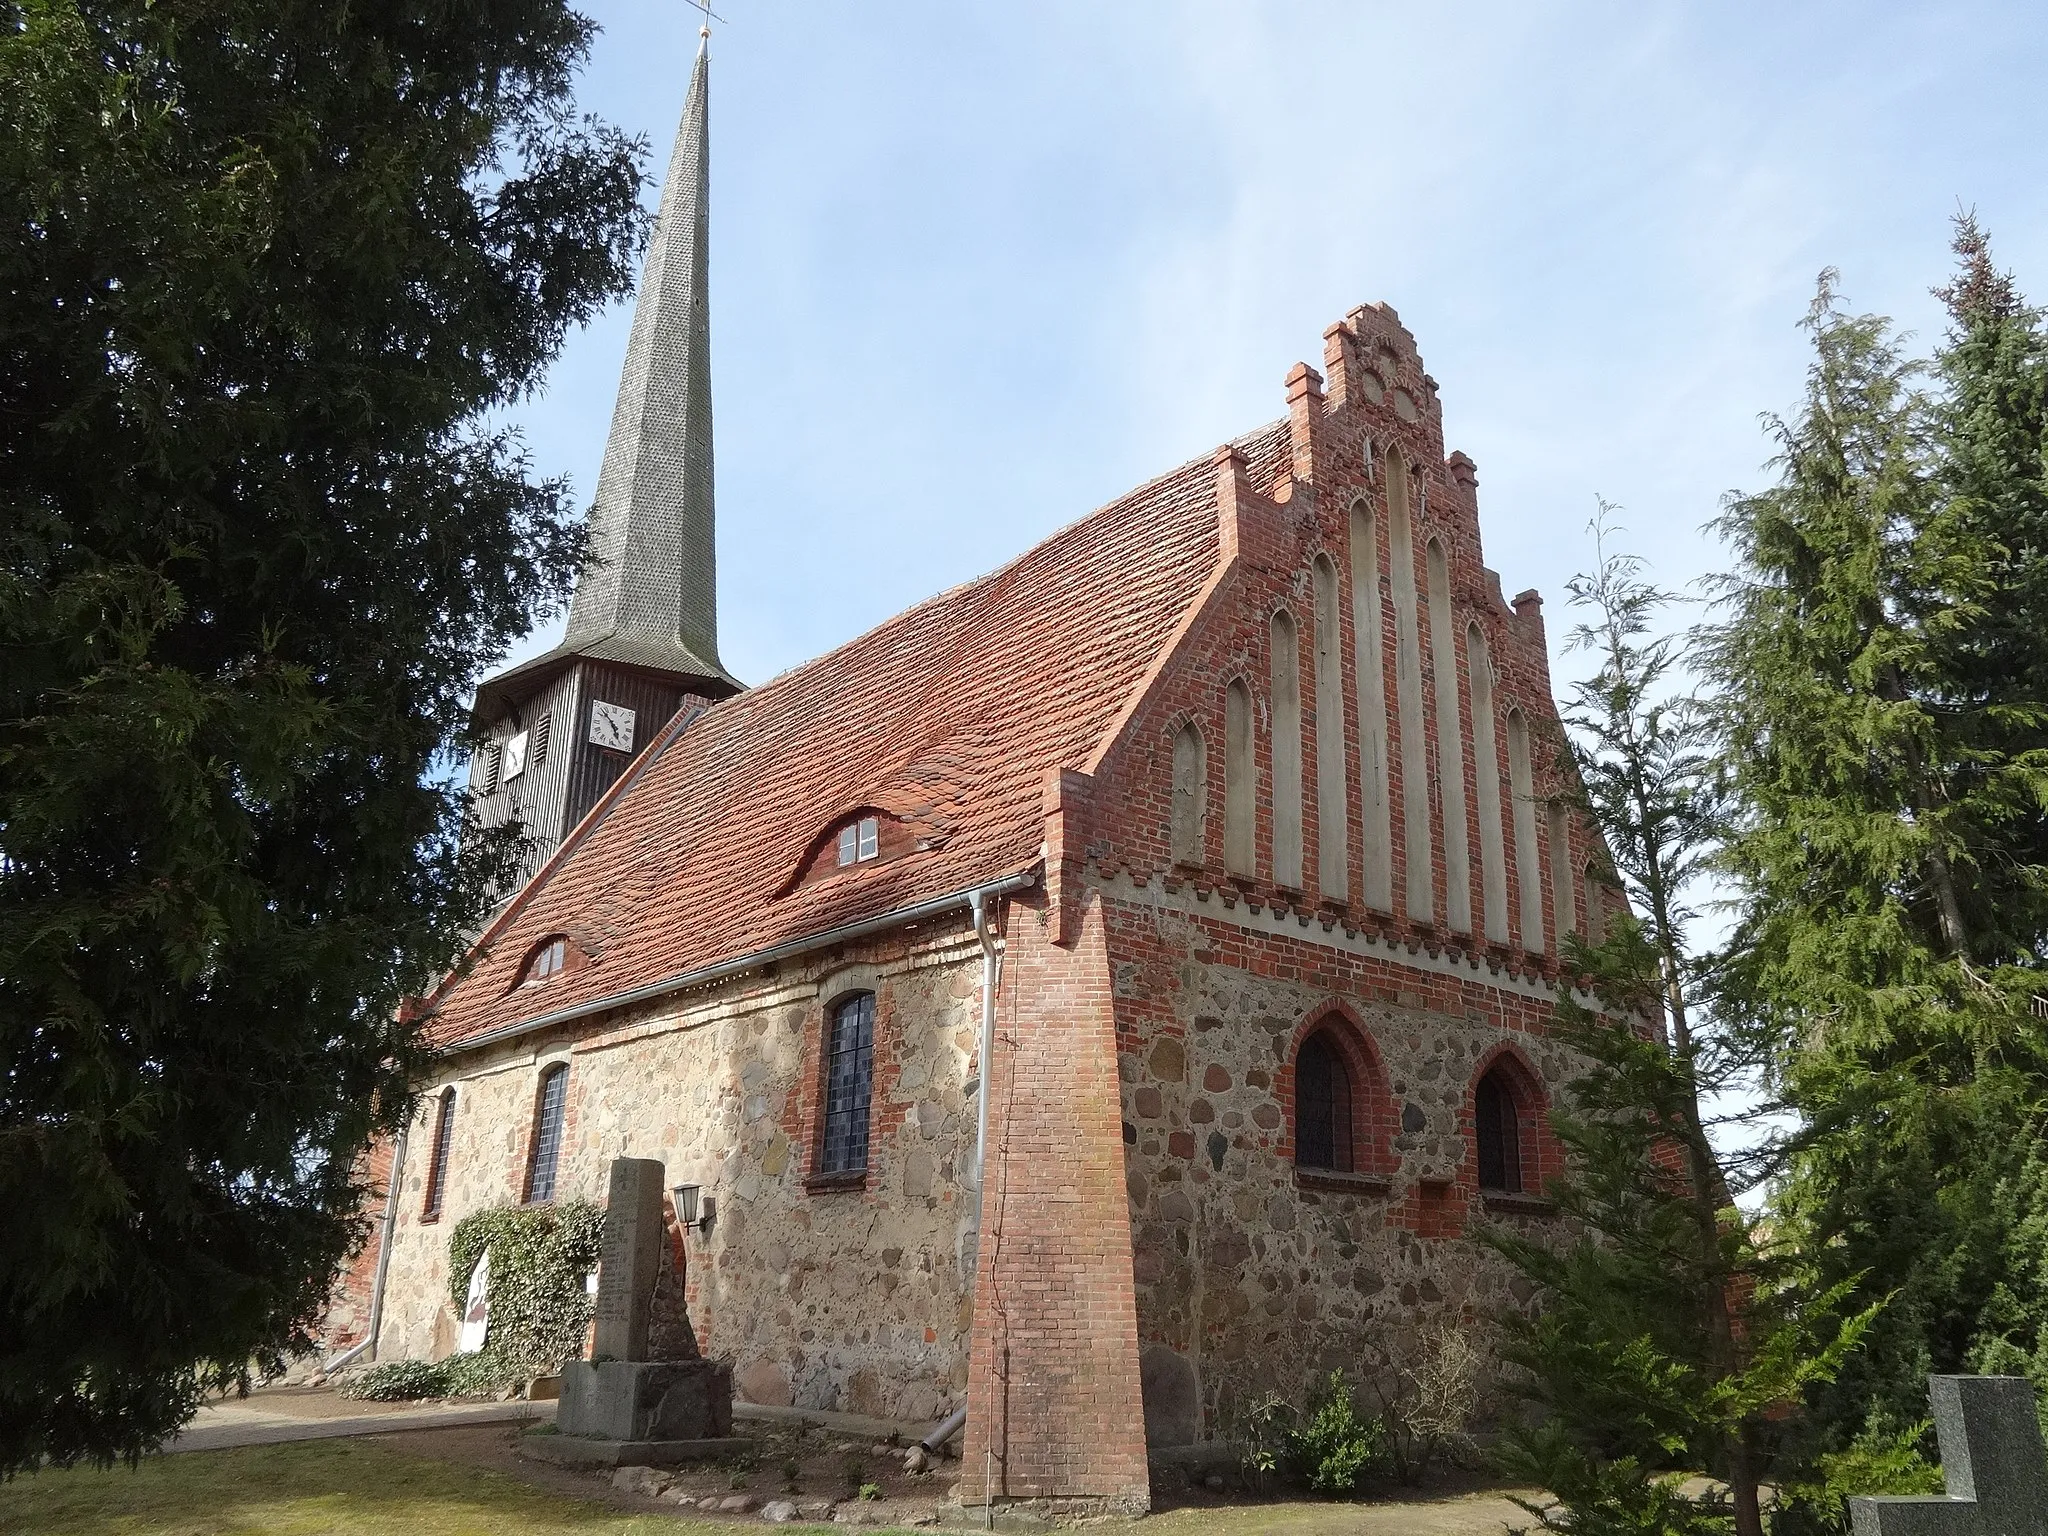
(852, 1299)
(1252, 1276)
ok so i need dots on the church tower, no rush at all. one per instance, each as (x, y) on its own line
(642, 636)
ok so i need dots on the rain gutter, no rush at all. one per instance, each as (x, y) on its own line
(972, 897)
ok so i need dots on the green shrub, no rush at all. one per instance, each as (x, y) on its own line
(1329, 1446)
(482, 1374)
(396, 1381)
(539, 1257)
(1334, 1447)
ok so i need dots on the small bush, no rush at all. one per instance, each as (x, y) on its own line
(396, 1381)
(1334, 1448)
(1428, 1418)
(482, 1374)
(1329, 1446)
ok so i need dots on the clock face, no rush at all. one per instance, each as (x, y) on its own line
(515, 757)
(611, 726)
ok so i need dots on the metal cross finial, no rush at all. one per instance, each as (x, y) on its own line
(709, 16)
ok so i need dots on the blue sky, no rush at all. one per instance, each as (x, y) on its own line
(978, 268)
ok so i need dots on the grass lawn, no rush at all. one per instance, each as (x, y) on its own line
(360, 1487)
(305, 1489)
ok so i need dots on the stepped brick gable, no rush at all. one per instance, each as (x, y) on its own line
(1251, 775)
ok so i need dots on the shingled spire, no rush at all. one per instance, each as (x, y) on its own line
(557, 730)
(649, 596)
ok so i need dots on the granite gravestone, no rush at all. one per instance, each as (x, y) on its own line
(620, 1408)
(1991, 1460)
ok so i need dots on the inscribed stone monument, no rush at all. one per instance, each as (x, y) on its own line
(630, 1259)
(621, 1408)
(1991, 1460)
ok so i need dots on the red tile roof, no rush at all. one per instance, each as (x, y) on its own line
(949, 715)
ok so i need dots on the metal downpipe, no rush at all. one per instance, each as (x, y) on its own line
(390, 1222)
(991, 978)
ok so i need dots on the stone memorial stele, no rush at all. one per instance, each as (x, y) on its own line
(620, 1408)
(1991, 1459)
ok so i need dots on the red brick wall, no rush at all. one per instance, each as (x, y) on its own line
(1276, 528)
(1054, 1405)
(348, 1307)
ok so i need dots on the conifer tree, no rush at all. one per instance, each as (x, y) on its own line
(1668, 1340)
(1882, 739)
(272, 270)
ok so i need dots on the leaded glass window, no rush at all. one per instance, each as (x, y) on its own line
(1322, 1108)
(437, 1165)
(849, 1080)
(547, 1135)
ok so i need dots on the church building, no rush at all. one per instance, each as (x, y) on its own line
(1111, 990)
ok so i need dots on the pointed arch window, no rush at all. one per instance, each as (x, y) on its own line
(1498, 1128)
(437, 1163)
(549, 1106)
(1322, 1107)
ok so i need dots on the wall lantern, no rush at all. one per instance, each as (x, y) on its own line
(692, 1210)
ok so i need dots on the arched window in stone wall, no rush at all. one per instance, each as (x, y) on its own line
(1564, 900)
(1507, 1126)
(1417, 852)
(1240, 784)
(1333, 832)
(437, 1160)
(1190, 796)
(1370, 677)
(849, 1085)
(546, 1150)
(1497, 1130)
(1323, 1107)
(1493, 863)
(1286, 751)
(1450, 745)
(1528, 865)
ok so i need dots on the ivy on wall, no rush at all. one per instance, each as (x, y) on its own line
(539, 1258)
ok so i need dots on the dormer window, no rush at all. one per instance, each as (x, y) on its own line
(859, 841)
(551, 957)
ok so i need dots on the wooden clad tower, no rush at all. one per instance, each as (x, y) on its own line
(642, 635)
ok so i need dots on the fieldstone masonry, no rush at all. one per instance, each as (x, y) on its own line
(1991, 1459)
